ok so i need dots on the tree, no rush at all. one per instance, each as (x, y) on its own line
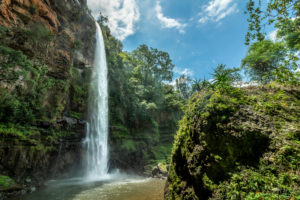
(223, 78)
(280, 12)
(289, 30)
(154, 64)
(279, 60)
(199, 85)
(262, 58)
(102, 18)
(183, 86)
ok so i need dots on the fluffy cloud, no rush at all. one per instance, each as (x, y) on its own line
(185, 71)
(273, 35)
(122, 15)
(216, 10)
(166, 21)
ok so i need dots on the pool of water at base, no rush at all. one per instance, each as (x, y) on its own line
(122, 188)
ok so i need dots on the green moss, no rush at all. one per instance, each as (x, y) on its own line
(18, 131)
(6, 181)
(243, 145)
(76, 115)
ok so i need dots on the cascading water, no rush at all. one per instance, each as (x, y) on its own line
(97, 126)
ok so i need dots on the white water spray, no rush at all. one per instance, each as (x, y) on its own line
(97, 126)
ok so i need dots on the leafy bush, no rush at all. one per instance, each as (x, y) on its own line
(24, 103)
(223, 79)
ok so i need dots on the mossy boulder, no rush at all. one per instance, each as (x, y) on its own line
(228, 142)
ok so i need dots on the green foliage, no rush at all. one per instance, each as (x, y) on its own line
(37, 35)
(13, 65)
(289, 30)
(76, 115)
(140, 102)
(128, 145)
(78, 92)
(279, 11)
(161, 153)
(21, 132)
(78, 15)
(153, 64)
(263, 58)
(199, 85)
(286, 76)
(223, 79)
(39, 32)
(6, 181)
(3, 31)
(241, 145)
(78, 44)
(24, 103)
(254, 184)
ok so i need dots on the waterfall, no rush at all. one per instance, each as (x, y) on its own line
(97, 127)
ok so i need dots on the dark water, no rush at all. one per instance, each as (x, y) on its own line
(123, 188)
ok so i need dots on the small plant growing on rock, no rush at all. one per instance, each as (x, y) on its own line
(223, 78)
(78, 44)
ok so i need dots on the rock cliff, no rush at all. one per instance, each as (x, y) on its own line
(46, 55)
(242, 145)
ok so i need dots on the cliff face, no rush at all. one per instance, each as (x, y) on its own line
(241, 145)
(46, 55)
(69, 23)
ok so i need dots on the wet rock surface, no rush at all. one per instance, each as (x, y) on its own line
(30, 164)
(155, 172)
(159, 172)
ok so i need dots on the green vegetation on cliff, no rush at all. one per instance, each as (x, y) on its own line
(144, 108)
(44, 81)
(238, 145)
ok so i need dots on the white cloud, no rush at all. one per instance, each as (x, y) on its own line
(122, 15)
(166, 21)
(216, 10)
(273, 35)
(185, 71)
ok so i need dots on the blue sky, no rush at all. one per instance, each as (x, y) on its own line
(198, 34)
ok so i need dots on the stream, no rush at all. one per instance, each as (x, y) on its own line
(115, 188)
